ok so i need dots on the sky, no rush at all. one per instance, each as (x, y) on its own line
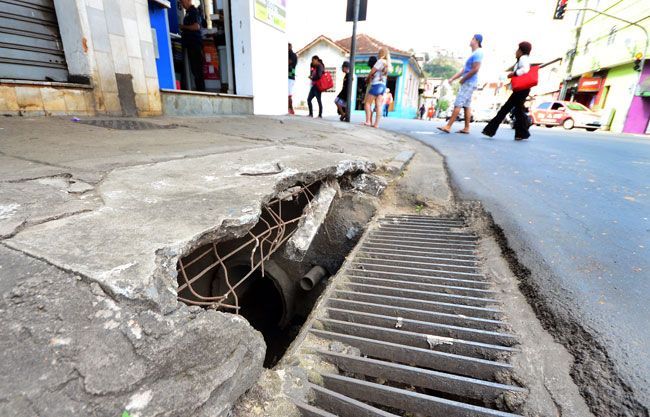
(430, 25)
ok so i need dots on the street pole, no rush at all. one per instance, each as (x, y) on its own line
(569, 68)
(353, 55)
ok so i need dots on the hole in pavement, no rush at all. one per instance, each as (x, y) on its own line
(255, 277)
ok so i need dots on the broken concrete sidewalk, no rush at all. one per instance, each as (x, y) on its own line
(93, 222)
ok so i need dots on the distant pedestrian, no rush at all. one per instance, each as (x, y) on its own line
(468, 80)
(516, 101)
(377, 78)
(317, 69)
(422, 110)
(388, 100)
(293, 60)
(341, 99)
(192, 41)
(431, 112)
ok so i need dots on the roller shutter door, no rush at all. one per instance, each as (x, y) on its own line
(30, 43)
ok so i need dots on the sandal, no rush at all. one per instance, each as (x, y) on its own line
(442, 129)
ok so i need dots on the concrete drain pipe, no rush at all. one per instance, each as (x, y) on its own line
(313, 277)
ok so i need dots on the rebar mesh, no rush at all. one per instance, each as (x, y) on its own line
(278, 222)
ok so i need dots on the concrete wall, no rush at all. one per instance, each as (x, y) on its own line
(333, 58)
(186, 103)
(638, 117)
(621, 82)
(260, 60)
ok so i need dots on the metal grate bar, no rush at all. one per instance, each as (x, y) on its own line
(421, 286)
(469, 311)
(441, 271)
(424, 327)
(391, 255)
(420, 340)
(431, 279)
(425, 358)
(418, 377)
(343, 405)
(422, 249)
(415, 314)
(406, 400)
(434, 265)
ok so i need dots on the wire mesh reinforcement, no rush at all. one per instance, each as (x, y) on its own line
(213, 263)
(425, 324)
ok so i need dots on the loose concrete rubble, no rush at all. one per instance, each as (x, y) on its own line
(93, 222)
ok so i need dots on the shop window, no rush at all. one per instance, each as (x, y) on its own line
(332, 70)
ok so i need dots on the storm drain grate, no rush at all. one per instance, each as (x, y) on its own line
(125, 124)
(426, 323)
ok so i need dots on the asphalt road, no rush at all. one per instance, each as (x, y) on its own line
(575, 206)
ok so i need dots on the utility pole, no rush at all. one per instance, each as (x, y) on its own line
(569, 68)
(353, 55)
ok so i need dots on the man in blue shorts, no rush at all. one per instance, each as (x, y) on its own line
(468, 80)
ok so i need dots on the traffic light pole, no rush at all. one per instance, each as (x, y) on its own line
(353, 55)
(645, 51)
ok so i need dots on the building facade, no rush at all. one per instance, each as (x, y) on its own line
(603, 74)
(403, 79)
(124, 58)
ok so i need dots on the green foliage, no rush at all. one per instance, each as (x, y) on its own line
(443, 105)
(435, 70)
(442, 66)
(126, 414)
(419, 208)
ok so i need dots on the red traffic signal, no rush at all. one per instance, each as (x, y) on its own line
(560, 9)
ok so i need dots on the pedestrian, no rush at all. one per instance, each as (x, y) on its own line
(317, 69)
(422, 110)
(293, 60)
(377, 78)
(516, 101)
(192, 44)
(430, 112)
(468, 80)
(342, 99)
(388, 100)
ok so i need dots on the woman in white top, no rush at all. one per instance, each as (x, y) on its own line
(516, 100)
(377, 77)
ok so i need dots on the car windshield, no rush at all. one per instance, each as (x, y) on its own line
(577, 106)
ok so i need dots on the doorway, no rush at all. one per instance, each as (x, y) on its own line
(392, 84)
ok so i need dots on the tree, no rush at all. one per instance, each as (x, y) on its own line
(442, 66)
(443, 105)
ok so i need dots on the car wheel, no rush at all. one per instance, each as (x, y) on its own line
(591, 129)
(548, 126)
(568, 124)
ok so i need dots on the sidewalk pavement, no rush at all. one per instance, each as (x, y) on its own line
(92, 224)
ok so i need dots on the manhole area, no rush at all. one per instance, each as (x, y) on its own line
(125, 124)
(250, 275)
(415, 328)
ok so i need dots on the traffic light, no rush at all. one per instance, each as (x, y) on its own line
(637, 61)
(560, 9)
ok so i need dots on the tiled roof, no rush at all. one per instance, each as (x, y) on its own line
(369, 45)
(318, 39)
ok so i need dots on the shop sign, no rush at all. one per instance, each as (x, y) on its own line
(590, 84)
(272, 12)
(362, 68)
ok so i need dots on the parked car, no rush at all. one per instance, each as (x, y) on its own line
(567, 114)
(461, 116)
(485, 114)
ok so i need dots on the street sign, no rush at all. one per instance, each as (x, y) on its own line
(363, 8)
(590, 84)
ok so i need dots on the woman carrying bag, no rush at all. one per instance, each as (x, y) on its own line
(316, 71)
(523, 78)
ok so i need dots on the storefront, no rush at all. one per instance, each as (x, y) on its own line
(617, 96)
(638, 119)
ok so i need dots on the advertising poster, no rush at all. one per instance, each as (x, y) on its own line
(272, 12)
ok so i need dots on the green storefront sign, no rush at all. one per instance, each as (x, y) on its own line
(362, 68)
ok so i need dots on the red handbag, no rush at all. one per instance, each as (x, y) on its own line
(526, 81)
(325, 82)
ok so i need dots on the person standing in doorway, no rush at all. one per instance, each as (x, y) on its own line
(293, 60)
(341, 99)
(388, 100)
(468, 80)
(377, 77)
(517, 99)
(193, 44)
(317, 69)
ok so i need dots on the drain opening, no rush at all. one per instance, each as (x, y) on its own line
(249, 276)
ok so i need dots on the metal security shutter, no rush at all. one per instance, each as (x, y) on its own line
(30, 43)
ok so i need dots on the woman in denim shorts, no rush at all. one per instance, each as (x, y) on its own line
(377, 78)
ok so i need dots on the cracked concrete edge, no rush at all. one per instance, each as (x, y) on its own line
(398, 164)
